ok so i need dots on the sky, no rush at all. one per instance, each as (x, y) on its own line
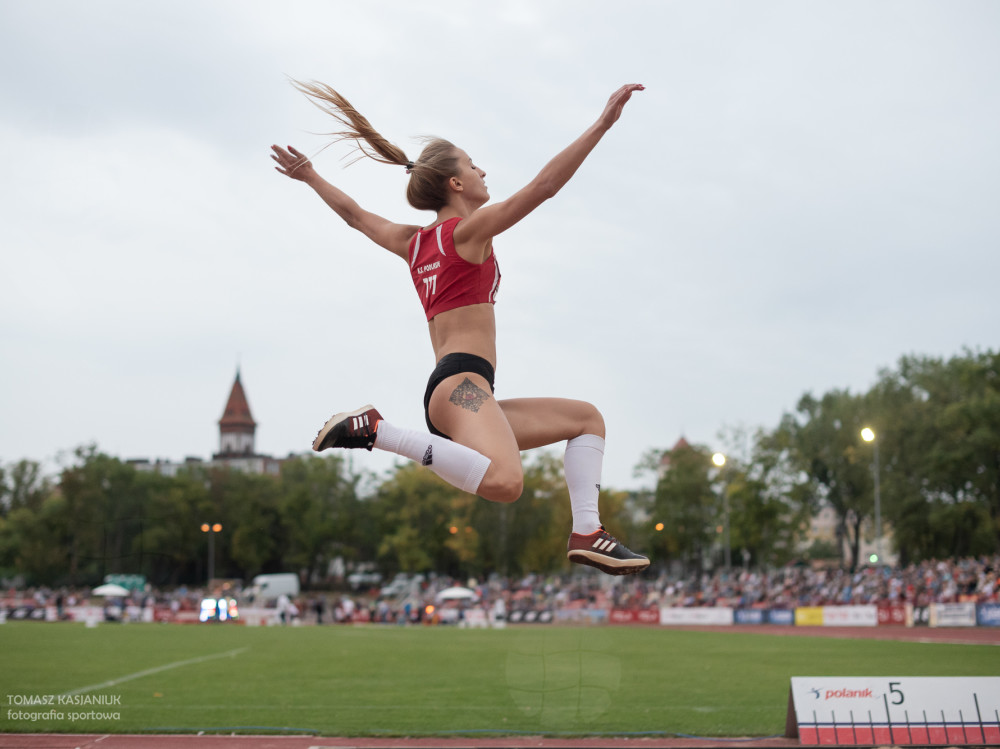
(804, 193)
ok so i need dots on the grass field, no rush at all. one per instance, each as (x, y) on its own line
(356, 681)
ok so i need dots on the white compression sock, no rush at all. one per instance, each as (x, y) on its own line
(460, 466)
(582, 464)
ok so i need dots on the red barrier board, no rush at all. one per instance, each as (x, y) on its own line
(892, 615)
(634, 616)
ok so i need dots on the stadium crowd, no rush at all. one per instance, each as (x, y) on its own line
(934, 581)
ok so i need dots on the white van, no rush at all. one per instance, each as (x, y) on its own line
(270, 587)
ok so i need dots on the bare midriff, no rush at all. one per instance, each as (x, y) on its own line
(465, 330)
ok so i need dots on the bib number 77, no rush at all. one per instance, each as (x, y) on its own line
(430, 286)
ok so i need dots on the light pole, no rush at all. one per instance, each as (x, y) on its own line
(211, 530)
(868, 435)
(720, 460)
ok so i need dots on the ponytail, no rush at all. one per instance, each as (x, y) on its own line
(429, 174)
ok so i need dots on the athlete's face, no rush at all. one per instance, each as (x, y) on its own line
(472, 178)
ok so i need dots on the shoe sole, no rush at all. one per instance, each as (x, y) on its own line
(333, 421)
(607, 565)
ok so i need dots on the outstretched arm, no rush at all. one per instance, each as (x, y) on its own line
(491, 220)
(392, 236)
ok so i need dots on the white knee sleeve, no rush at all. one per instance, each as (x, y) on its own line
(582, 464)
(460, 466)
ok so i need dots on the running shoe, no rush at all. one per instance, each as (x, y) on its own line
(352, 429)
(605, 552)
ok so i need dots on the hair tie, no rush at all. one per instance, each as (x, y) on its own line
(409, 166)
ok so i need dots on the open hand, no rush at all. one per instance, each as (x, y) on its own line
(613, 109)
(291, 163)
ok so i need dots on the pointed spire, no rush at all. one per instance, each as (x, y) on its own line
(681, 444)
(237, 415)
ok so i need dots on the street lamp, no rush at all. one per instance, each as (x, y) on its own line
(211, 530)
(868, 435)
(720, 460)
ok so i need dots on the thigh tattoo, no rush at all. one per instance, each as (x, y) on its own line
(469, 396)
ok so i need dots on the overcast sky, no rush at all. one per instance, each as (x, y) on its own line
(804, 192)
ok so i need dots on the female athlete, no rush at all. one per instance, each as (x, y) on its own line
(475, 441)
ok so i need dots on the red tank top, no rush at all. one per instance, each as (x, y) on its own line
(444, 280)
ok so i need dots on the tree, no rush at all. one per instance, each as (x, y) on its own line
(320, 513)
(530, 535)
(29, 515)
(22, 485)
(416, 512)
(941, 454)
(171, 539)
(537, 526)
(687, 506)
(823, 443)
(103, 510)
(764, 510)
(28, 541)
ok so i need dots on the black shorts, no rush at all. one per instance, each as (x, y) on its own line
(453, 364)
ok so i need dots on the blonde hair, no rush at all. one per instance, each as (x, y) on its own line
(429, 174)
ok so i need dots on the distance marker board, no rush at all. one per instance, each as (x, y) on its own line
(895, 710)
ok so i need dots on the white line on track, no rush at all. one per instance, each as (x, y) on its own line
(158, 669)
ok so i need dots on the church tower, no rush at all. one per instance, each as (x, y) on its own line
(236, 427)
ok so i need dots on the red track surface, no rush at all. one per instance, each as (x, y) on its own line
(965, 636)
(70, 741)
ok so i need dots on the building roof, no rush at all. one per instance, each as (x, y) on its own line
(237, 414)
(679, 445)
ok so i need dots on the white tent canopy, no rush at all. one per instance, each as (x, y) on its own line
(456, 594)
(110, 590)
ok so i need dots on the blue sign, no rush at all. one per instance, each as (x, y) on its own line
(781, 616)
(988, 615)
(748, 616)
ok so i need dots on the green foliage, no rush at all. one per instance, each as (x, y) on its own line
(27, 541)
(429, 525)
(937, 425)
(942, 447)
(171, 542)
(762, 524)
(319, 510)
(938, 434)
(22, 486)
(416, 508)
(693, 498)
(824, 444)
(687, 505)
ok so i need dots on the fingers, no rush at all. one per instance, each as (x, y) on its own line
(626, 91)
(288, 159)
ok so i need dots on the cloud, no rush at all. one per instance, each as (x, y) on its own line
(803, 194)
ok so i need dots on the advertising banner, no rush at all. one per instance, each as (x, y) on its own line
(809, 616)
(953, 615)
(697, 616)
(988, 614)
(892, 615)
(531, 617)
(634, 616)
(850, 616)
(781, 616)
(581, 616)
(749, 616)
